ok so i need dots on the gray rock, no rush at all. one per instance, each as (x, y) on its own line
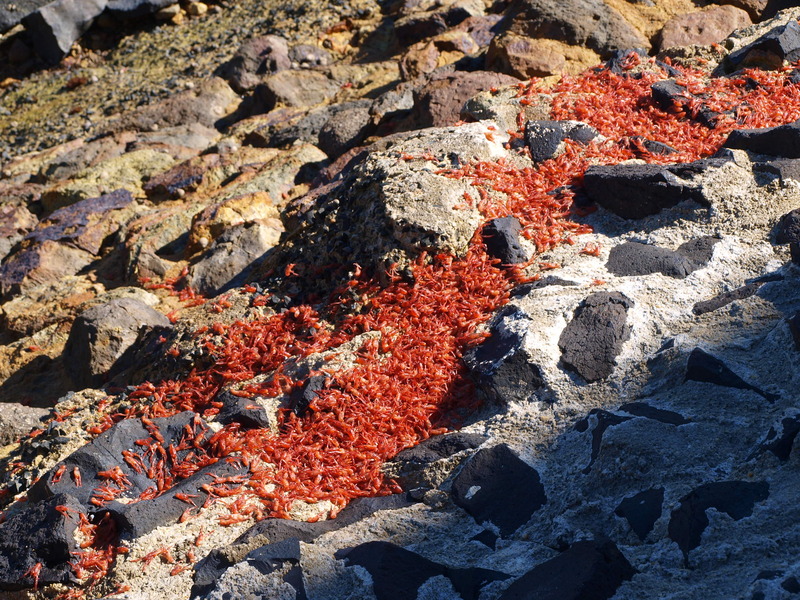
(594, 337)
(344, 130)
(577, 22)
(780, 44)
(56, 26)
(132, 9)
(16, 420)
(783, 140)
(306, 56)
(303, 88)
(101, 335)
(255, 59)
(633, 258)
(230, 256)
(501, 236)
(11, 13)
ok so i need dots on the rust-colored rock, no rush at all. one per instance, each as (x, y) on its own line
(523, 56)
(703, 27)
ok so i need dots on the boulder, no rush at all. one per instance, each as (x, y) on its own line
(54, 27)
(779, 44)
(594, 337)
(634, 258)
(100, 335)
(545, 139)
(588, 570)
(439, 102)
(294, 88)
(577, 22)
(783, 140)
(344, 130)
(495, 485)
(253, 60)
(702, 28)
(232, 255)
(524, 57)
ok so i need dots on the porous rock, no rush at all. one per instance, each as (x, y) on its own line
(16, 420)
(702, 28)
(707, 368)
(779, 44)
(39, 534)
(495, 485)
(411, 466)
(577, 22)
(57, 25)
(253, 60)
(501, 236)
(100, 335)
(345, 129)
(794, 326)
(599, 420)
(634, 258)
(294, 89)
(783, 140)
(133, 9)
(635, 191)
(500, 365)
(594, 337)
(545, 138)
(398, 573)
(780, 439)
(788, 229)
(588, 570)
(231, 255)
(642, 510)
(523, 57)
(414, 25)
(689, 520)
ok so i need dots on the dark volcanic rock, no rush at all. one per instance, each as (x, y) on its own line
(769, 51)
(57, 25)
(236, 409)
(501, 236)
(641, 409)
(670, 95)
(345, 129)
(704, 367)
(634, 258)
(642, 510)
(412, 463)
(102, 334)
(230, 257)
(39, 534)
(788, 229)
(781, 444)
(594, 337)
(794, 327)
(398, 573)
(589, 570)
(599, 420)
(726, 298)
(544, 138)
(11, 13)
(783, 140)
(500, 365)
(254, 59)
(301, 397)
(132, 9)
(635, 191)
(496, 486)
(689, 520)
(576, 22)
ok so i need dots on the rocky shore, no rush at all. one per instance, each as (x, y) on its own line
(395, 300)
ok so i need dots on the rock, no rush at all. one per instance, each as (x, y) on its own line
(702, 28)
(398, 573)
(642, 409)
(735, 498)
(255, 58)
(181, 141)
(439, 102)
(669, 96)
(15, 222)
(39, 534)
(780, 444)
(211, 222)
(158, 232)
(231, 256)
(420, 59)
(100, 336)
(301, 397)
(414, 467)
(794, 326)
(599, 420)
(294, 89)
(588, 570)
(206, 104)
(794, 248)
(577, 22)
(717, 302)
(244, 411)
(707, 368)
(481, 28)
(502, 107)
(134, 9)
(64, 242)
(635, 191)
(500, 365)
(183, 177)
(783, 140)
(197, 9)
(12, 13)
(642, 510)
(633, 258)
(306, 56)
(496, 486)
(545, 139)
(417, 25)
(523, 57)
(501, 236)
(779, 44)
(594, 337)
(754, 8)
(71, 162)
(54, 27)
(17, 420)
(344, 130)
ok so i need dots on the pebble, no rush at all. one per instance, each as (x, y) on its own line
(197, 9)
